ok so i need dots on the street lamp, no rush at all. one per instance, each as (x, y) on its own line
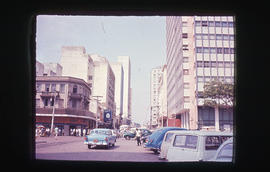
(54, 100)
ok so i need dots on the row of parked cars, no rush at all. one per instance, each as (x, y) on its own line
(179, 144)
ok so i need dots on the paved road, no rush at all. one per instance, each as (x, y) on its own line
(72, 148)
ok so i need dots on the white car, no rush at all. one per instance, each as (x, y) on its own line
(165, 144)
(224, 152)
(195, 145)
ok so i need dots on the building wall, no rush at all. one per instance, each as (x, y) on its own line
(125, 61)
(39, 69)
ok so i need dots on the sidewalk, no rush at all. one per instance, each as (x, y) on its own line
(58, 139)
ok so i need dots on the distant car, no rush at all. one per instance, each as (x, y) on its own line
(195, 145)
(131, 134)
(100, 137)
(224, 152)
(155, 139)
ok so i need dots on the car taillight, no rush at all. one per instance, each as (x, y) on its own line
(85, 138)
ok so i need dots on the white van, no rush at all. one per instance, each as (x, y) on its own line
(195, 145)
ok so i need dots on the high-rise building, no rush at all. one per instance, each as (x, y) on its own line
(125, 61)
(199, 49)
(156, 73)
(119, 83)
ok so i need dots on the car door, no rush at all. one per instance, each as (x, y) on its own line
(165, 144)
(183, 148)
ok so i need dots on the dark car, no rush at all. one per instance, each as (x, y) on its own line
(129, 134)
(154, 141)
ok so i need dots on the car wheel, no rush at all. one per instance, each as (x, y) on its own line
(127, 137)
(89, 147)
(113, 144)
(155, 151)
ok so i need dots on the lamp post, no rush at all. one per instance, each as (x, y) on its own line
(54, 100)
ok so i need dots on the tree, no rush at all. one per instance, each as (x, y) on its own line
(218, 94)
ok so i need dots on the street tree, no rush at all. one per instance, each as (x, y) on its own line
(218, 94)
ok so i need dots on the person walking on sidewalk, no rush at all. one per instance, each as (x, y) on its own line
(138, 137)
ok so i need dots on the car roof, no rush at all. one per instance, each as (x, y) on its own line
(202, 133)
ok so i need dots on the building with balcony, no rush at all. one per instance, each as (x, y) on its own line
(68, 99)
(199, 49)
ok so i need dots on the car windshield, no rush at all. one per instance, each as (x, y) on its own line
(226, 152)
(103, 132)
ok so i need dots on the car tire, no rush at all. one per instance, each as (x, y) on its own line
(89, 146)
(127, 138)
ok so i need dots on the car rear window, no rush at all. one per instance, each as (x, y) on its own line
(213, 142)
(186, 141)
(168, 137)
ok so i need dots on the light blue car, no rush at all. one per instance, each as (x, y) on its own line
(100, 137)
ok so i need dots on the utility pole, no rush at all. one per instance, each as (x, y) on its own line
(54, 101)
(97, 99)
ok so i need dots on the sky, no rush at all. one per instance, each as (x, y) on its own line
(141, 38)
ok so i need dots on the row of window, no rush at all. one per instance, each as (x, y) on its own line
(214, 37)
(214, 64)
(221, 78)
(214, 24)
(215, 50)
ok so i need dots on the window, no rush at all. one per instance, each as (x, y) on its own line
(224, 24)
(227, 64)
(38, 87)
(187, 141)
(47, 87)
(53, 87)
(232, 50)
(211, 23)
(185, 47)
(204, 36)
(219, 37)
(226, 152)
(220, 64)
(213, 142)
(62, 88)
(230, 24)
(73, 103)
(197, 23)
(218, 24)
(184, 24)
(60, 103)
(225, 37)
(90, 77)
(46, 102)
(74, 89)
(186, 85)
(186, 71)
(198, 49)
(200, 79)
(185, 59)
(198, 36)
(168, 137)
(205, 49)
(213, 50)
(213, 64)
(186, 99)
(204, 23)
(184, 35)
(206, 64)
(219, 50)
(231, 37)
(226, 50)
(199, 63)
(212, 36)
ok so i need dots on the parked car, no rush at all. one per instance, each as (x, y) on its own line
(100, 137)
(155, 139)
(224, 152)
(195, 145)
(166, 143)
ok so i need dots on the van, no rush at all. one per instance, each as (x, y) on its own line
(195, 145)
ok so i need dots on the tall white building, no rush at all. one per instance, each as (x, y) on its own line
(119, 84)
(156, 73)
(199, 49)
(77, 63)
(125, 61)
(104, 84)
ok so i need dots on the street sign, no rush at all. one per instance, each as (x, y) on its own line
(107, 115)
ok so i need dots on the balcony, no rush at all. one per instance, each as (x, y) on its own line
(76, 96)
(47, 94)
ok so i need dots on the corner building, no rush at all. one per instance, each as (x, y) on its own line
(199, 49)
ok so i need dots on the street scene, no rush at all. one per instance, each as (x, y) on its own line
(135, 88)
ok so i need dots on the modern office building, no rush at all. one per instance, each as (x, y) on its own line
(125, 61)
(119, 84)
(104, 84)
(155, 104)
(199, 49)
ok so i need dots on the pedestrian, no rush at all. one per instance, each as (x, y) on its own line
(138, 137)
(84, 132)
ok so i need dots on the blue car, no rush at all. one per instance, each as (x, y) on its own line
(100, 137)
(154, 141)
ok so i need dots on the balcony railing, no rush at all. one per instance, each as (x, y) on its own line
(75, 96)
(47, 94)
(70, 111)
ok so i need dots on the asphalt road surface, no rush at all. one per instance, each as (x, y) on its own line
(72, 148)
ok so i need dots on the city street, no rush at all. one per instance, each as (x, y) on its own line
(72, 148)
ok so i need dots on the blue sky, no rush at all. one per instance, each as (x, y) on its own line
(141, 38)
